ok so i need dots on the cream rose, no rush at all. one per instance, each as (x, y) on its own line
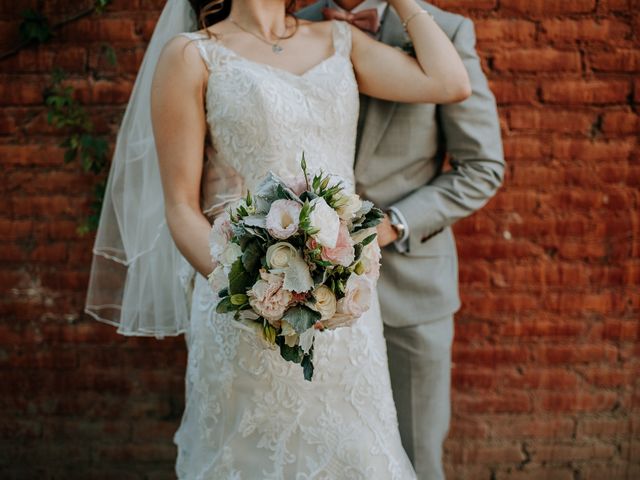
(268, 297)
(230, 254)
(283, 218)
(325, 302)
(349, 204)
(279, 255)
(324, 218)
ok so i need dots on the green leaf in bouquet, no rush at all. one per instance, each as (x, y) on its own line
(251, 256)
(325, 183)
(225, 306)
(358, 268)
(270, 333)
(239, 279)
(308, 196)
(307, 366)
(291, 354)
(301, 318)
(224, 292)
(248, 200)
(239, 299)
(259, 220)
(357, 251)
(297, 277)
(368, 239)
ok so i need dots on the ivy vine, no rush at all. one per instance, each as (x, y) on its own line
(65, 112)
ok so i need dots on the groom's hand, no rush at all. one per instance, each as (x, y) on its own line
(386, 233)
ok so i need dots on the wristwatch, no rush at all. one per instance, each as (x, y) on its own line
(396, 224)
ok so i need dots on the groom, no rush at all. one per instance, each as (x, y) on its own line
(399, 166)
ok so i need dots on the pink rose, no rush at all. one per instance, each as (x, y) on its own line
(356, 301)
(343, 253)
(268, 297)
(296, 183)
(283, 218)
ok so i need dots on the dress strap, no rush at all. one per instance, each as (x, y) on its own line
(341, 37)
(205, 52)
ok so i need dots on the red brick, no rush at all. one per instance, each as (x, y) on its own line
(508, 427)
(547, 120)
(620, 122)
(570, 452)
(542, 378)
(509, 91)
(537, 473)
(590, 29)
(492, 30)
(578, 92)
(626, 60)
(576, 402)
(537, 60)
(603, 427)
(548, 7)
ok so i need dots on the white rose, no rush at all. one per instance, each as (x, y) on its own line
(279, 255)
(349, 205)
(325, 303)
(218, 279)
(230, 254)
(324, 218)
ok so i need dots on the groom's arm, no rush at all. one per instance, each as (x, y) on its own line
(472, 133)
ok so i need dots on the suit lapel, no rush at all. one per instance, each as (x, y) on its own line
(379, 112)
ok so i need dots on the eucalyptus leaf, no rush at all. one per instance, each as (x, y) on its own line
(301, 318)
(307, 368)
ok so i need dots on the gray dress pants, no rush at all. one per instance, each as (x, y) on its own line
(420, 368)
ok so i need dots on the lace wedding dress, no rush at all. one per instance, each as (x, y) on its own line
(250, 414)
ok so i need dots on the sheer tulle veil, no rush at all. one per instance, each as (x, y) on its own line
(139, 279)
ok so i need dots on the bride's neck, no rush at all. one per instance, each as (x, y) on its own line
(264, 16)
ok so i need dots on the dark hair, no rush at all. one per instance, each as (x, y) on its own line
(210, 12)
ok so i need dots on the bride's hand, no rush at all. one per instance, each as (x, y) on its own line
(436, 75)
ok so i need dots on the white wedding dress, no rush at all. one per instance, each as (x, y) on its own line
(250, 414)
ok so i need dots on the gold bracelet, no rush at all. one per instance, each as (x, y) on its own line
(411, 17)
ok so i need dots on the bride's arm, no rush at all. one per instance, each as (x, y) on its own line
(179, 127)
(436, 75)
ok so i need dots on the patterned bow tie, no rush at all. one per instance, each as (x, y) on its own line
(364, 19)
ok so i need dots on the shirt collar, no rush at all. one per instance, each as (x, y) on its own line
(379, 5)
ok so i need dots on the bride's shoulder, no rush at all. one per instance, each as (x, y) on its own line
(181, 56)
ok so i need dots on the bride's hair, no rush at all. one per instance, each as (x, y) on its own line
(210, 12)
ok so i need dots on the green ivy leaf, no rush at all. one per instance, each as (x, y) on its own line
(225, 306)
(239, 279)
(291, 354)
(307, 367)
(35, 27)
(251, 256)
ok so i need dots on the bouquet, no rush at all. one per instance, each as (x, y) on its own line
(295, 258)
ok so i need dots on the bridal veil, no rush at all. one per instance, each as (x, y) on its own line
(139, 280)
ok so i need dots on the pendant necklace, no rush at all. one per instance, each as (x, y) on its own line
(275, 47)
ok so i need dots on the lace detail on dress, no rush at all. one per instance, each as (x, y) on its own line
(249, 413)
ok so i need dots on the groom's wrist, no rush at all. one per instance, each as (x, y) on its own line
(401, 227)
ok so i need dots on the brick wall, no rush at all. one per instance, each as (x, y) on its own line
(546, 352)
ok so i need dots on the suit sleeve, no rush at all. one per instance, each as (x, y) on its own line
(471, 131)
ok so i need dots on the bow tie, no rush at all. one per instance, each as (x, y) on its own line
(364, 19)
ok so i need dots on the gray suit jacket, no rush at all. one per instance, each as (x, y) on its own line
(399, 162)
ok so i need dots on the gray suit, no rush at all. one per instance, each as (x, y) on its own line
(399, 163)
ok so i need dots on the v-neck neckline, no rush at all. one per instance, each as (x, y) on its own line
(275, 69)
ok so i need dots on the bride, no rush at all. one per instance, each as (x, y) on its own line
(213, 110)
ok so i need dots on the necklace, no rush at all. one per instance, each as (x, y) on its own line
(275, 47)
